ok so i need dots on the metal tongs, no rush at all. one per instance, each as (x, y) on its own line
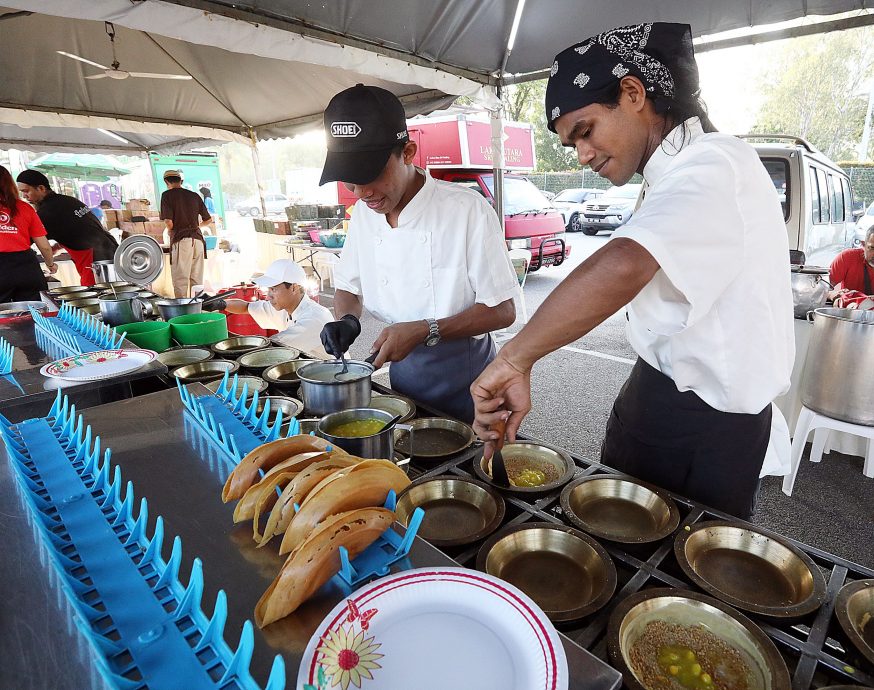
(499, 469)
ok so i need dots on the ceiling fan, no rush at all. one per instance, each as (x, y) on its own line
(114, 71)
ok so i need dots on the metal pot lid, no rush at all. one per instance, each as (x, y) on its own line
(813, 270)
(139, 259)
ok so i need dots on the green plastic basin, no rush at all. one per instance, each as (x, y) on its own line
(199, 329)
(152, 335)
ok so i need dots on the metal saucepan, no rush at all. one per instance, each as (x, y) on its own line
(458, 510)
(621, 509)
(104, 270)
(810, 289)
(554, 463)
(760, 573)
(436, 437)
(119, 310)
(205, 371)
(323, 394)
(239, 345)
(375, 445)
(168, 308)
(854, 608)
(565, 571)
(642, 622)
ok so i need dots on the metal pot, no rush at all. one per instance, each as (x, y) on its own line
(117, 311)
(323, 394)
(809, 289)
(169, 308)
(841, 350)
(378, 445)
(104, 271)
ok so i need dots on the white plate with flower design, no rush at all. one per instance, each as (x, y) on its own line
(95, 366)
(435, 629)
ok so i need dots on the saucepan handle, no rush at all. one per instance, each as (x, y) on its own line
(409, 429)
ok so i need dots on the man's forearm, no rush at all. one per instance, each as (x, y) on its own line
(346, 303)
(477, 320)
(594, 291)
(237, 306)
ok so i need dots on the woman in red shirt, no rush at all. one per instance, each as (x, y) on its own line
(21, 277)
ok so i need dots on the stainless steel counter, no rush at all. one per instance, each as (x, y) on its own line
(171, 464)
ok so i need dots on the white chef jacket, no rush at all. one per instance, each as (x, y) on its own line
(301, 330)
(447, 254)
(717, 316)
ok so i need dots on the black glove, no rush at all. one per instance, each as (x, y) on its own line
(338, 336)
(217, 305)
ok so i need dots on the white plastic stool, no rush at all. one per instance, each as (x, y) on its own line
(808, 421)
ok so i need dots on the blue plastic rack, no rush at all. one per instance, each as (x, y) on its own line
(76, 332)
(129, 602)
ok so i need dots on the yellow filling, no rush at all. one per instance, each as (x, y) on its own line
(358, 428)
(683, 666)
(529, 477)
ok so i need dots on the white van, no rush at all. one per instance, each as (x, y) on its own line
(815, 193)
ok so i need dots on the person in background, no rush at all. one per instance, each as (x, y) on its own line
(184, 214)
(21, 277)
(289, 310)
(853, 269)
(207, 200)
(70, 223)
(426, 256)
(98, 210)
(700, 268)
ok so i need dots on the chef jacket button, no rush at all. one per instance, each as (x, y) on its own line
(384, 281)
(379, 240)
(426, 283)
(424, 239)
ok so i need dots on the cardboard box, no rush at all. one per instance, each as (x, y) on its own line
(137, 205)
(111, 218)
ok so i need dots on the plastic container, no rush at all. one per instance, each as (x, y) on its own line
(332, 239)
(152, 335)
(199, 329)
(314, 236)
(211, 241)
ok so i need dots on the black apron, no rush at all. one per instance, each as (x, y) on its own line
(440, 376)
(21, 277)
(678, 442)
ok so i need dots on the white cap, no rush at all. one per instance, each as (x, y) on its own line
(281, 271)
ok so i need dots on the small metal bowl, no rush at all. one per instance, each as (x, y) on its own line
(291, 407)
(177, 356)
(239, 345)
(309, 425)
(259, 360)
(458, 511)
(75, 296)
(205, 371)
(252, 384)
(118, 285)
(541, 454)
(90, 305)
(630, 618)
(434, 437)
(394, 404)
(565, 571)
(621, 509)
(69, 290)
(284, 376)
(752, 571)
(854, 608)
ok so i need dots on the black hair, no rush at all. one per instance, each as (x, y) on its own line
(173, 179)
(205, 192)
(675, 109)
(105, 203)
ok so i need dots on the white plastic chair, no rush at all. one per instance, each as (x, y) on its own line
(521, 259)
(808, 421)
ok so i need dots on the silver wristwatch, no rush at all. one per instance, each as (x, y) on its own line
(433, 333)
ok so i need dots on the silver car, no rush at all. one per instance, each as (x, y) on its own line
(569, 203)
(610, 210)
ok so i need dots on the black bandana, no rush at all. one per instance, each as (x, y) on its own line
(659, 54)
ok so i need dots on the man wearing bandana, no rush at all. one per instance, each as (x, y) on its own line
(701, 269)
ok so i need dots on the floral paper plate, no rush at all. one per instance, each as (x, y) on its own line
(435, 629)
(95, 366)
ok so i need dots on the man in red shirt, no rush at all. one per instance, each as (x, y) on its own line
(853, 269)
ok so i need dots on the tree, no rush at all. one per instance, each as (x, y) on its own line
(816, 87)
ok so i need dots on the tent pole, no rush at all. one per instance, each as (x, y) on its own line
(496, 117)
(256, 163)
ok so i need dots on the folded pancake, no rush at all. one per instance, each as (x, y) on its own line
(363, 485)
(267, 456)
(318, 559)
(297, 490)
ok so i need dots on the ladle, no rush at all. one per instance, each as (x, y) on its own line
(499, 469)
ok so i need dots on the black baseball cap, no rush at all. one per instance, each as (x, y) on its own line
(363, 124)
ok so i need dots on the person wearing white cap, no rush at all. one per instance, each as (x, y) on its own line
(288, 309)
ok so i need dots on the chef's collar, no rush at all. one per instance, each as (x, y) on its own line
(677, 139)
(419, 203)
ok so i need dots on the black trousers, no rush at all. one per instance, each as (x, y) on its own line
(21, 277)
(678, 442)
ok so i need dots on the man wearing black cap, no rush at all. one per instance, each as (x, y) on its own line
(68, 222)
(184, 213)
(424, 255)
(701, 269)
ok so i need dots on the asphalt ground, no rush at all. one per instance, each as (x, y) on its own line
(832, 506)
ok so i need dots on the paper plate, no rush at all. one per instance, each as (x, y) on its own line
(94, 366)
(434, 629)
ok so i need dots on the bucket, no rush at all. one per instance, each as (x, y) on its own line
(199, 329)
(152, 335)
(211, 241)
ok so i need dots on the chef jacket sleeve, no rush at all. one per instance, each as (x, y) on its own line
(691, 224)
(267, 317)
(489, 269)
(347, 272)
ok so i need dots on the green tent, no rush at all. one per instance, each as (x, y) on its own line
(82, 166)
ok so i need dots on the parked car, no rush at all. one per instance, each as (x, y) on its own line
(275, 203)
(863, 225)
(610, 210)
(815, 194)
(570, 203)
